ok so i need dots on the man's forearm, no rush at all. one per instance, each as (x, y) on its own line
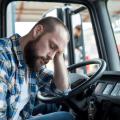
(60, 73)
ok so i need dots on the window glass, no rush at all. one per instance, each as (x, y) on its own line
(84, 40)
(23, 16)
(114, 12)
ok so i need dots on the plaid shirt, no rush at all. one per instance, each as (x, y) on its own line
(12, 74)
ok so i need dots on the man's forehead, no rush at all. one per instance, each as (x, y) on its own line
(59, 40)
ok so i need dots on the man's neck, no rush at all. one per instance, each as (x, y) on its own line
(24, 40)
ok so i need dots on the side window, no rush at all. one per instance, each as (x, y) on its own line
(84, 40)
(23, 15)
(114, 12)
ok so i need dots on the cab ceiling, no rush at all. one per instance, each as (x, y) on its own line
(33, 11)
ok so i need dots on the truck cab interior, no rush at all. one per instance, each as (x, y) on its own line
(93, 61)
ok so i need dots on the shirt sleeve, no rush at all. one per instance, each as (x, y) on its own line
(46, 84)
(4, 73)
(3, 90)
(45, 78)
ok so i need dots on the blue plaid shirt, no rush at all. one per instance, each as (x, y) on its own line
(12, 74)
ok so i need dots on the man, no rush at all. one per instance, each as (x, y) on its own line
(78, 43)
(22, 71)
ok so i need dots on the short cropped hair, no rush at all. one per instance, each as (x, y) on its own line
(49, 24)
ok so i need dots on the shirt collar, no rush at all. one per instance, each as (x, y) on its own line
(17, 49)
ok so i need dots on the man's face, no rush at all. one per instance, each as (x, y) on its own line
(39, 51)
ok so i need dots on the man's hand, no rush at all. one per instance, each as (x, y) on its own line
(58, 56)
(60, 70)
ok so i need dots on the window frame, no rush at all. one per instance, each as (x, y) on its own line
(98, 9)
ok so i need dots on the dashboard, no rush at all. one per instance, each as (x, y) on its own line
(108, 87)
(105, 94)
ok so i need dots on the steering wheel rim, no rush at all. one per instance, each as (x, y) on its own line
(80, 87)
(93, 78)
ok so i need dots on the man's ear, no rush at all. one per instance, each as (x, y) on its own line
(38, 29)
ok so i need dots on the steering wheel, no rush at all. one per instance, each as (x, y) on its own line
(78, 89)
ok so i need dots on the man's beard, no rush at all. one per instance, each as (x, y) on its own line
(31, 56)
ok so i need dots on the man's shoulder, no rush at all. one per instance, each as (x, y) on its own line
(5, 48)
(8, 41)
(4, 42)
